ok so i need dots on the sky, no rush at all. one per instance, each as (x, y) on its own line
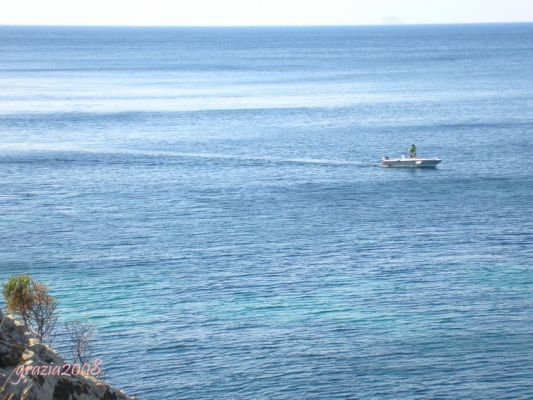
(260, 12)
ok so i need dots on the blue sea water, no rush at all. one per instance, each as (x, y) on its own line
(210, 198)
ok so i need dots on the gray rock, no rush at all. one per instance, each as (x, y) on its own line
(19, 348)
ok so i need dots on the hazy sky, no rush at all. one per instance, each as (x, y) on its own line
(260, 12)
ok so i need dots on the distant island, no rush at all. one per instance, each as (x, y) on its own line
(392, 20)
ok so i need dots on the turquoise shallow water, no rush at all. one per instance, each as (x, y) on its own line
(210, 199)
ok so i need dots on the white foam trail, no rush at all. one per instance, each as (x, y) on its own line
(28, 147)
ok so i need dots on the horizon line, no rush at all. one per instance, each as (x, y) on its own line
(267, 25)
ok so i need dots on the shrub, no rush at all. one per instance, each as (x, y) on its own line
(18, 297)
(32, 302)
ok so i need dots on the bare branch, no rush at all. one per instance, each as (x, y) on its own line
(81, 335)
(43, 312)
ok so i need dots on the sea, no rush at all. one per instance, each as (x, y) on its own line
(211, 200)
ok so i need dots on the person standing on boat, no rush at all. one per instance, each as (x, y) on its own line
(412, 151)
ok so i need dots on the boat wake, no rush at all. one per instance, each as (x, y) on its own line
(71, 154)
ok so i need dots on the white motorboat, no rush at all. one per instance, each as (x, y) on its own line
(411, 162)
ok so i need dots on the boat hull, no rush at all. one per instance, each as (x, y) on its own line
(411, 163)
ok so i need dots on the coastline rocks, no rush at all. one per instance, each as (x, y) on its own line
(19, 348)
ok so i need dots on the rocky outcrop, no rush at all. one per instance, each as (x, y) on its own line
(30, 370)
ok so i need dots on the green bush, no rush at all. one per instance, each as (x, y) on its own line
(32, 302)
(18, 296)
